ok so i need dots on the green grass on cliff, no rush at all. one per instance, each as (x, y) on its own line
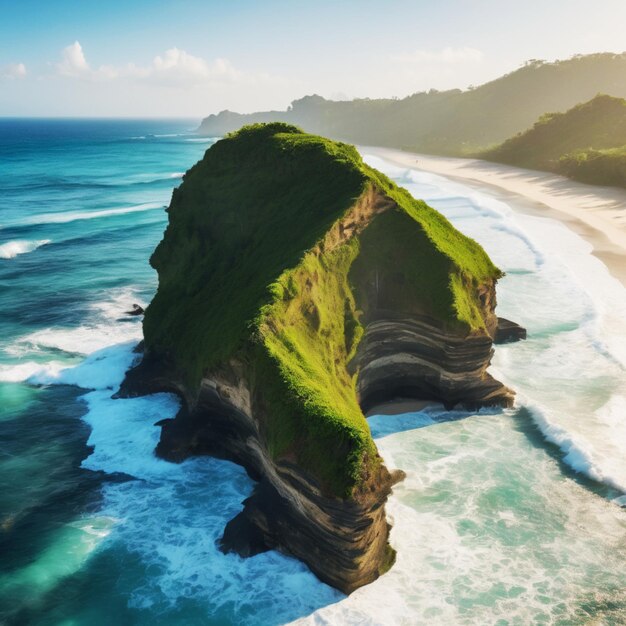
(245, 213)
(250, 266)
(315, 408)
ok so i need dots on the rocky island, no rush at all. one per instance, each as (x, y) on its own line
(298, 287)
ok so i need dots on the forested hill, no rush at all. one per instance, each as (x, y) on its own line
(451, 122)
(587, 143)
(597, 124)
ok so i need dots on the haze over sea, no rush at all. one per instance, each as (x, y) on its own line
(505, 517)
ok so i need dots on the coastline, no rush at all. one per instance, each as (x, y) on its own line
(400, 406)
(470, 483)
(597, 214)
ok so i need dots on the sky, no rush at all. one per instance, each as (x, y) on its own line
(189, 58)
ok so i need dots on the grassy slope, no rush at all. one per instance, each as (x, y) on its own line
(452, 122)
(597, 124)
(241, 272)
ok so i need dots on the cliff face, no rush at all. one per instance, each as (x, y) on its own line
(296, 287)
(343, 541)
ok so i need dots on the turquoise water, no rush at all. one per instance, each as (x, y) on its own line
(506, 517)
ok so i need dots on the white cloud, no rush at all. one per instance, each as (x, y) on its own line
(447, 56)
(181, 63)
(73, 62)
(174, 66)
(13, 70)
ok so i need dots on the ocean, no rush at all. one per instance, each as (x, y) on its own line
(506, 516)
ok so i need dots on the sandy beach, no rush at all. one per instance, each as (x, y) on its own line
(400, 406)
(598, 214)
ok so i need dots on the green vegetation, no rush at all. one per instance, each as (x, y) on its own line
(256, 264)
(450, 122)
(587, 143)
(596, 167)
(250, 209)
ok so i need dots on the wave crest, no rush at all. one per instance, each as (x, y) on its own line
(12, 249)
(72, 216)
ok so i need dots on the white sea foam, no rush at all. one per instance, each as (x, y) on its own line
(11, 249)
(483, 527)
(597, 450)
(24, 371)
(83, 339)
(100, 329)
(150, 177)
(171, 135)
(100, 370)
(160, 136)
(202, 140)
(72, 216)
(578, 454)
(572, 374)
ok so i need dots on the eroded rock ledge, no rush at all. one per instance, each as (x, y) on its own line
(344, 542)
(413, 358)
(297, 287)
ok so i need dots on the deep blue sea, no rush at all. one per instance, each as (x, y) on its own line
(506, 517)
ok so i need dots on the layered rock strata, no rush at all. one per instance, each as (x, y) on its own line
(414, 358)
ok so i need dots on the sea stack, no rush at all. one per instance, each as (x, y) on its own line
(297, 287)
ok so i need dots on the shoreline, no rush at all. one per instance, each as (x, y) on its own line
(400, 406)
(597, 214)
